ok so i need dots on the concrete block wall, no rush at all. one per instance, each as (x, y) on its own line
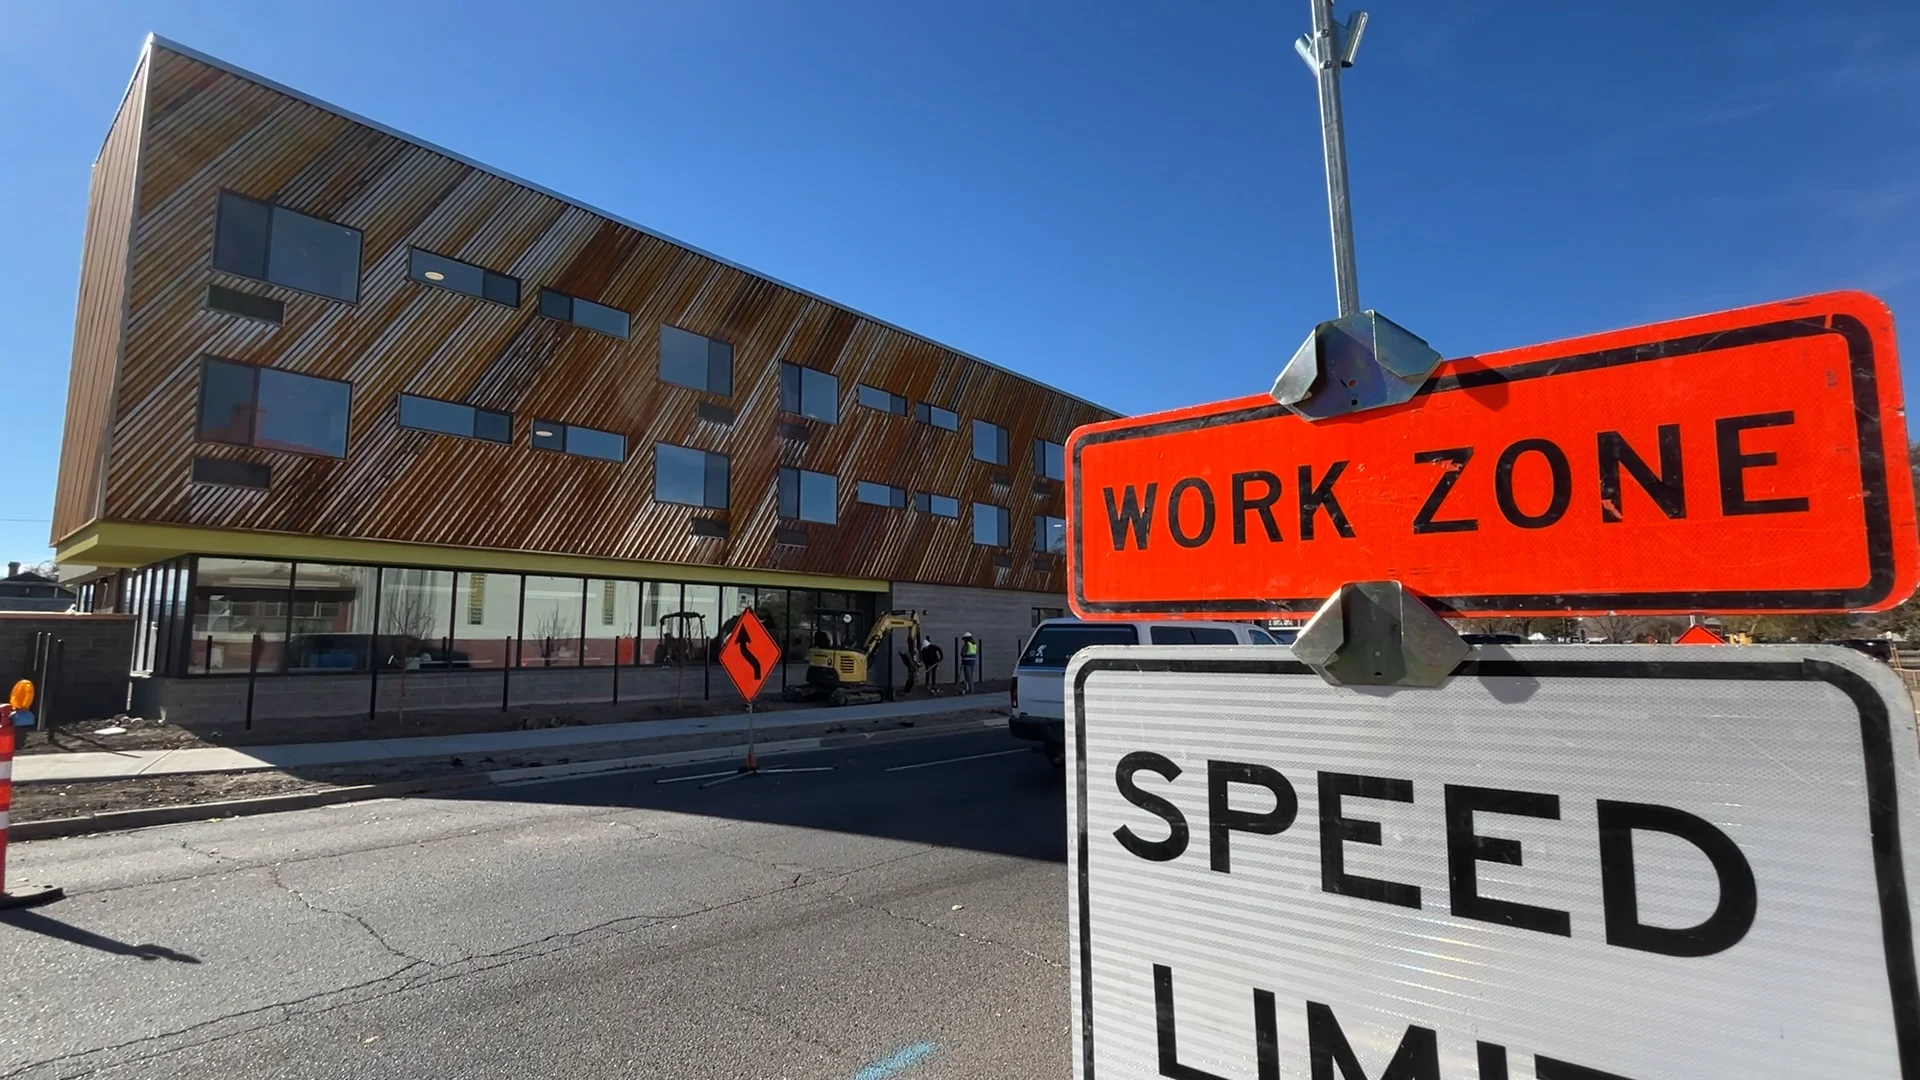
(1001, 618)
(93, 675)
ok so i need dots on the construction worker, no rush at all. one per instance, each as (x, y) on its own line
(969, 662)
(930, 657)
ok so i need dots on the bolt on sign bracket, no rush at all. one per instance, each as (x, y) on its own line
(1379, 633)
(1353, 363)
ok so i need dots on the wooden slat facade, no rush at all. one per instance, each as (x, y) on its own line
(100, 317)
(200, 129)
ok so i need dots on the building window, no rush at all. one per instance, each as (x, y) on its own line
(881, 495)
(989, 443)
(944, 419)
(452, 418)
(1050, 459)
(596, 317)
(688, 359)
(1050, 535)
(579, 441)
(937, 505)
(809, 496)
(285, 247)
(274, 410)
(1042, 614)
(689, 477)
(443, 273)
(875, 398)
(990, 525)
(811, 393)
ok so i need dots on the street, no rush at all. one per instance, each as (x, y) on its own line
(857, 924)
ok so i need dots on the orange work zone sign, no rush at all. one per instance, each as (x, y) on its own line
(1698, 634)
(750, 655)
(1750, 461)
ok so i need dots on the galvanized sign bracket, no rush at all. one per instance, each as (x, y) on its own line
(1379, 633)
(1353, 363)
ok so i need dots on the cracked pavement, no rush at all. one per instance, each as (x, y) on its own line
(800, 925)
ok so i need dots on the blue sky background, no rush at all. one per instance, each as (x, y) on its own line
(1123, 199)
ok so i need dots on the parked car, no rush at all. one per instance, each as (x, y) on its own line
(1879, 648)
(1493, 639)
(1039, 680)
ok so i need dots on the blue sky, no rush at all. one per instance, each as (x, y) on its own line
(1123, 199)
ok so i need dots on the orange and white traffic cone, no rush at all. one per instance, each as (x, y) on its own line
(41, 894)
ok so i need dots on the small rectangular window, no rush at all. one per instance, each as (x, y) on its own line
(689, 359)
(441, 272)
(272, 409)
(809, 496)
(690, 477)
(453, 418)
(579, 441)
(875, 398)
(990, 525)
(989, 443)
(874, 494)
(937, 505)
(285, 247)
(594, 316)
(944, 419)
(1049, 459)
(1050, 535)
(809, 393)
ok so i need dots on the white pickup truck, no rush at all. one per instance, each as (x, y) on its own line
(1039, 682)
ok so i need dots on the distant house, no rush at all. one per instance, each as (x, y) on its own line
(30, 590)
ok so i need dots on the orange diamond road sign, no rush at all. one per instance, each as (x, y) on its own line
(750, 655)
(1750, 461)
(1698, 634)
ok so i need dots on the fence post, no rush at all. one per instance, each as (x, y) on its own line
(706, 671)
(207, 663)
(616, 669)
(56, 666)
(253, 671)
(506, 672)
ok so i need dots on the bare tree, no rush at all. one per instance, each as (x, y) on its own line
(552, 631)
(1613, 627)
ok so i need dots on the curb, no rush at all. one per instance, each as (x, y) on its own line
(147, 817)
(119, 820)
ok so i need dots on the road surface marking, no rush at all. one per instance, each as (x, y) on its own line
(896, 1063)
(969, 757)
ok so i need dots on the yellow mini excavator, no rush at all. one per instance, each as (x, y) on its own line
(839, 668)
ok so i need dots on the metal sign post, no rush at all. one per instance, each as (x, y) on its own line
(1327, 50)
(748, 657)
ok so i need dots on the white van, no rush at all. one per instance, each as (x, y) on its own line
(1039, 682)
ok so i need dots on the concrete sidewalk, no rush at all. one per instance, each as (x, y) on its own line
(115, 765)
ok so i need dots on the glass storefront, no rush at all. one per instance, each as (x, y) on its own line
(218, 616)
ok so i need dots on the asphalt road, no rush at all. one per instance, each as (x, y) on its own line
(861, 924)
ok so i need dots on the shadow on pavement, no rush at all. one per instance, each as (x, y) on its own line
(37, 923)
(1009, 801)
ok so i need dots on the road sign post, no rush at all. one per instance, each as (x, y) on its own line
(748, 656)
(1568, 862)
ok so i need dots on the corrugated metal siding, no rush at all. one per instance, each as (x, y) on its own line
(212, 130)
(100, 316)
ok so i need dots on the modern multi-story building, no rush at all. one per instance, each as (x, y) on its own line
(373, 405)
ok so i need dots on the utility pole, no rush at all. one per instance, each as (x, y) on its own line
(1328, 50)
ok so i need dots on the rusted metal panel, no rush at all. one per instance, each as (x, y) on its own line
(100, 316)
(216, 130)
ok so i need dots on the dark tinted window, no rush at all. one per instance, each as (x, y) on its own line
(990, 525)
(1050, 535)
(875, 398)
(690, 477)
(240, 237)
(881, 494)
(226, 401)
(555, 305)
(591, 442)
(444, 273)
(548, 435)
(810, 393)
(1050, 459)
(1053, 645)
(809, 496)
(593, 316)
(428, 414)
(688, 359)
(938, 505)
(1214, 635)
(989, 443)
(492, 426)
(1192, 635)
(945, 419)
(1260, 637)
(286, 247)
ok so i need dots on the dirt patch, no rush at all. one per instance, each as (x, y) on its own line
(148, 734)
(41, 801)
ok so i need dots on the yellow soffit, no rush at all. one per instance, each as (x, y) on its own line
(124, 544)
